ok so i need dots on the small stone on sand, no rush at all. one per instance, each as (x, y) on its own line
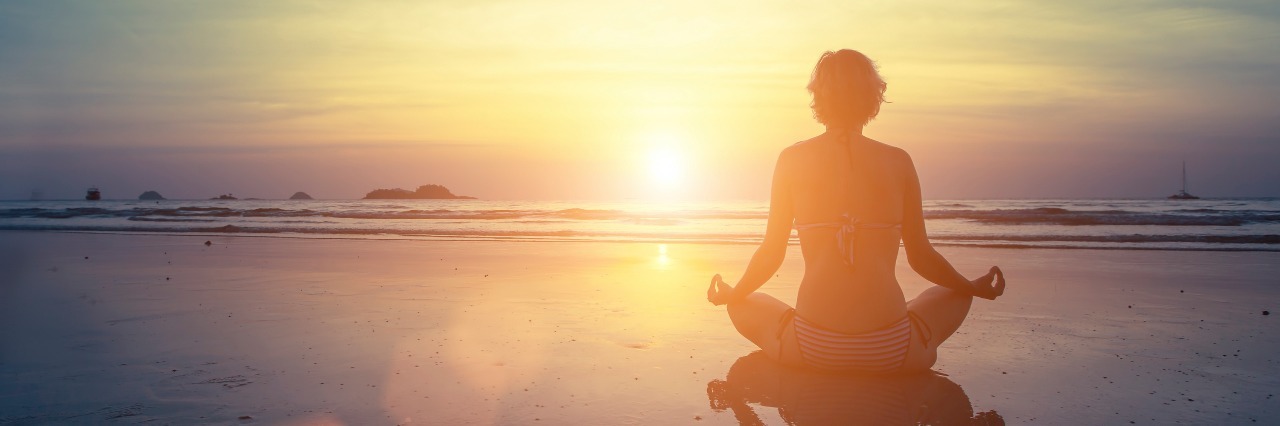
(208, 243)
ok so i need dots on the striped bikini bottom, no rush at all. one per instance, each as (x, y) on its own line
(879, 351)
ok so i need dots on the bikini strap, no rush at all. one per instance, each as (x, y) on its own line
(847, 226)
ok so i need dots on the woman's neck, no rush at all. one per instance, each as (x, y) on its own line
(846, 134)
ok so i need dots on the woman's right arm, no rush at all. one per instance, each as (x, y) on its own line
(920, 253)
(769, 256)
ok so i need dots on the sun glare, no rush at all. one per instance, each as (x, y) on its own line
(666, 167)
(666, 163)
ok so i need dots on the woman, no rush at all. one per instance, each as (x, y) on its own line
(851, 200)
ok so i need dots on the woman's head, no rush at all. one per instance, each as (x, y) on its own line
(847, 91)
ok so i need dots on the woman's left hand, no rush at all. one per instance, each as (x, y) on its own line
(989, 286)
(719, 292)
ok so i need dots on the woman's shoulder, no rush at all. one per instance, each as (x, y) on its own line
(813, 148)
(804, 145)
(890, 150)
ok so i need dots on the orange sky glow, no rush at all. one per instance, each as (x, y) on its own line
(627, 100)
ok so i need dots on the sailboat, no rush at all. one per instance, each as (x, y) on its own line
(1183, 194)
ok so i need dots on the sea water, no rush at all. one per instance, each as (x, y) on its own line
(1208, 224)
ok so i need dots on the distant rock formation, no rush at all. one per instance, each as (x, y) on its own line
(424, 192)
(150, 195)
(224, 197)
(300, 196)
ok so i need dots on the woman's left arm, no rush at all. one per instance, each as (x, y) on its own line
(768, 257)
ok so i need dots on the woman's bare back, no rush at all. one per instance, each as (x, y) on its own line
(830, 176)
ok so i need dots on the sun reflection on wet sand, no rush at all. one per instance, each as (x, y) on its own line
(505, 340)
(662, 260)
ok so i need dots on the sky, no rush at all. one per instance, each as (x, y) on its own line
(626, 100)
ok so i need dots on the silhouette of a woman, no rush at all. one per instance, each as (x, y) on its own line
(852, 200)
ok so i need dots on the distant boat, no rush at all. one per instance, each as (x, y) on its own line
(1183, 194)
(93, 194)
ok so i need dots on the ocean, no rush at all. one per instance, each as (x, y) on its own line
(1150, 224)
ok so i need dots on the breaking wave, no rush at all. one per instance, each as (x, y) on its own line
(1061, 216)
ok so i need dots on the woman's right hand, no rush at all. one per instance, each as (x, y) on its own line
(989, 286)
(720, 292)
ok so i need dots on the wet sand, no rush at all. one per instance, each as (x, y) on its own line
(103, 328)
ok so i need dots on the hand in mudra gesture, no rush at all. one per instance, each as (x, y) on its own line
(719, 292)
(989, 286)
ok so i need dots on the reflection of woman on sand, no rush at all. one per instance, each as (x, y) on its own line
(851, 199)
(807, 398)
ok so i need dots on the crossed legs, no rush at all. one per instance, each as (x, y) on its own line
(758, 318)
(942, 310)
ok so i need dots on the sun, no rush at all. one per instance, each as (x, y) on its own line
(666, 167)
(662, 161)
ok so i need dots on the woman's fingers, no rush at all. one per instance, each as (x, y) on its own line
(982, 285)
(725, 293)
(991, 285)
(713, 291)
(985, 280)
(719, 292)
(999, 280)
(714, 280)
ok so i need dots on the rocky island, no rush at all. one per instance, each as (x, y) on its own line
(424, 192)
(301, 196)
(150, 195)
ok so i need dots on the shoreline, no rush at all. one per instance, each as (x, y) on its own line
(105, 327)
(519, 239)
(1223, 225)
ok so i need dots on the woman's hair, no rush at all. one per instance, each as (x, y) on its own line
(847, 91)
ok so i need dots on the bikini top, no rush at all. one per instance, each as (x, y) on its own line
(847, 226)
(846, 231)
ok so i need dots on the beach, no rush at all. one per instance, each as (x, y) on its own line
(164, 329)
